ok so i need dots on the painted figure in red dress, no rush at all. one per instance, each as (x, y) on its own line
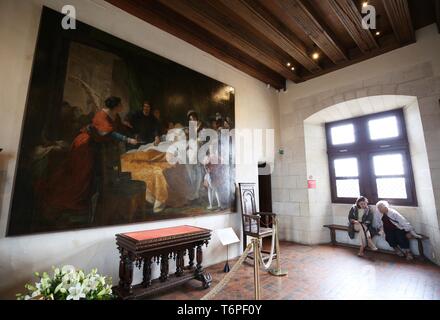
(71, 186)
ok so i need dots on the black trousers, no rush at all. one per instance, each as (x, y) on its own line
(397, 237)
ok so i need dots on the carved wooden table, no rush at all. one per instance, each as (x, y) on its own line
(143, 248)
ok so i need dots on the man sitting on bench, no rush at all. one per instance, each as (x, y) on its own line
(397, 230)
(360, 219)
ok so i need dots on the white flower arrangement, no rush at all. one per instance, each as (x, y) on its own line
(68, 283)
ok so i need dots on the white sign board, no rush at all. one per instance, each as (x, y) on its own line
(227, 236)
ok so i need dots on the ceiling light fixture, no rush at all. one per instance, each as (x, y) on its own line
(293, 68)
(364, 4)
(288, 64)
(377, 33)
(315, 56)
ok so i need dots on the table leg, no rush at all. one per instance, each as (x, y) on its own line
(128, 274)
(421, 253)
(179, 263)
(147, 272)
(333, 236)
(191, 257)
(199, 258)
(205, 277)
(121, 268)
(164, 267)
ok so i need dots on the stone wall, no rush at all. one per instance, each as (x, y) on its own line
(414, 85)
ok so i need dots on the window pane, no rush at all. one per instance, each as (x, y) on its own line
(342, 134)
(393, 188)
(390, 164)
(347, 188)
(383, 128)
(347, 167)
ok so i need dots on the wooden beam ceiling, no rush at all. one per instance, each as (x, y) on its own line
(260, 37)
(391, 45)
(351, 19)
(400, 19)
(199, 12)
(293, 46)
(165, 19)
(302, 15)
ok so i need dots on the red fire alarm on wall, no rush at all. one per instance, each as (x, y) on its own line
(311, 183)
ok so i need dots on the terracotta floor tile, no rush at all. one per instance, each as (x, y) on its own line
(325, 272)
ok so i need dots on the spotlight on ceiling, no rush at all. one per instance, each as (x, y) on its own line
(364, 4)
(377, 33)
(293, 68)
(315, 56)
(288, 64)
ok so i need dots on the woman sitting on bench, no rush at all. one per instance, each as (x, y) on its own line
(360, 220)
(397, 229)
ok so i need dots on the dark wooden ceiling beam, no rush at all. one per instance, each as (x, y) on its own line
(259, 37)
(299, 12)
(292, 46)
(389, 45)
(351, 19)
(400, 19)
(169, 21)
(219, 24)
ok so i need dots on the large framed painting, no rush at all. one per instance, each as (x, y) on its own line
(101, 120)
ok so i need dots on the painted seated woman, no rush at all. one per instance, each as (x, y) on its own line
(70, 187)
(360, 219)
(397, 229)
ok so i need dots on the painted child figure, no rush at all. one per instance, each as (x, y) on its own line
(210, 162)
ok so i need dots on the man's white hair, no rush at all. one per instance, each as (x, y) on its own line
(382, 203)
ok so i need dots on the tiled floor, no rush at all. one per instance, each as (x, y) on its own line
(326, 272)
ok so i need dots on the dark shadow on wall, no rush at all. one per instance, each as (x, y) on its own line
(4, 159)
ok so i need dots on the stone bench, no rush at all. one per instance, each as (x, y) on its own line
(334, 227)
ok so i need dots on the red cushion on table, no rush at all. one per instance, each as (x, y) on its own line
(164, 232)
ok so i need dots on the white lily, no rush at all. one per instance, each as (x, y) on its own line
(93, 282)
(76, 292)
(71, 282)
(68, 269)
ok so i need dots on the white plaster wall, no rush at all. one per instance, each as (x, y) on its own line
(410, 71)
(256, 107)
